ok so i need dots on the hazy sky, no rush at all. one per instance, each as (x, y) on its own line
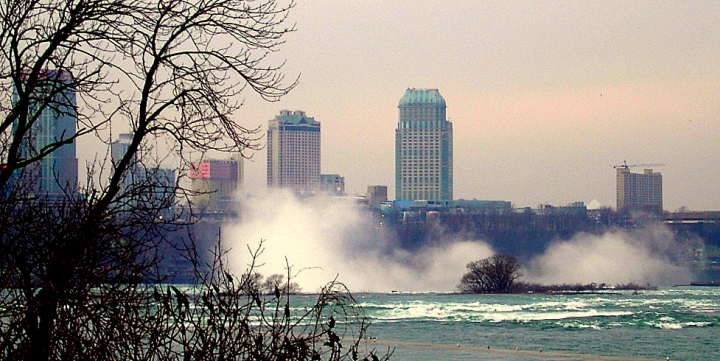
(544, 96)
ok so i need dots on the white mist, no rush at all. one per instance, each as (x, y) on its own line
(325, 238)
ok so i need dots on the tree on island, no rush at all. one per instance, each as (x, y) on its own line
(79, 275)
(500, 273)
(494, 274)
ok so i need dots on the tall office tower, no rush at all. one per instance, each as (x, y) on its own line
(639, 191)
(423, 148)
(56, 122)
(293, 152)
(216, 181)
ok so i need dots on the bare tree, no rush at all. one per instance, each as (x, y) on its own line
(62, 288)
(495, 274)
(275, 284)
(238, 321)
(78, 276)
(172, 69)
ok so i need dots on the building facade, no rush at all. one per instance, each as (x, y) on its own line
(376, 195)
(56, 112)
(293, 152)
(639, 191)
(159, 190)
(118, 148)
(332, 184)
(216, 182)
(423, 147)
(144, 184)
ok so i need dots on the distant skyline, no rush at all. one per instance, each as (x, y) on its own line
(544, 97)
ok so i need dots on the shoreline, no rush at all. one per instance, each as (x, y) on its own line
(550, 355)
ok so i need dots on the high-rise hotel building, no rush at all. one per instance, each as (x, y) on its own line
(423, 147)
(293, 152)
(639, 191)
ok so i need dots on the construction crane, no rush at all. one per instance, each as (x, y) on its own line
(625, 165)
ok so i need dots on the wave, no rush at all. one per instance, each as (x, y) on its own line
(565, 313)
(547, 316)
(488, 312)
(654, 325)
(678, 325)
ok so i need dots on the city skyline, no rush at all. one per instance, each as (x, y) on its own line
(545, 98)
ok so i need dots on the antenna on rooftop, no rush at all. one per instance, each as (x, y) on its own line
(626, 166)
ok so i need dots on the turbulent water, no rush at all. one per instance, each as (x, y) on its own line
(679, 323)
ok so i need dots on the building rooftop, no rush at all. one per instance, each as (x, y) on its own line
(422, 97)
(297, 117)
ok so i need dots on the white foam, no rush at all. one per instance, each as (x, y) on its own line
(544, 316)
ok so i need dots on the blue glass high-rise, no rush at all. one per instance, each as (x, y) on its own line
(53, 113)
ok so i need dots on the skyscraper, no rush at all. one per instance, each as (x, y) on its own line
(56, 122)
(639, 191)
(293, 152)
(423, 147)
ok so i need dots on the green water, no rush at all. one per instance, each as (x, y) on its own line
(679, 323)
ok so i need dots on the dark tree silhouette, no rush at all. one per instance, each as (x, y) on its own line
(79, 268)
(495, 274)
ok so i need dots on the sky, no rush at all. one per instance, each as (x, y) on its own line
(545, 97)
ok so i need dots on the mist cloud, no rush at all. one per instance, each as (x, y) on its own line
(642, 256)
(325, 238)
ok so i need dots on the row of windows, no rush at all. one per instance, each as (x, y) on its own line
(420, 135)
(420, 170)
(425, 158)
(419, 144)
(423, 195)
(298, 135)
(295, 154)
(430, 182)
(415, 168)
(432, 150)
(429, 124)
